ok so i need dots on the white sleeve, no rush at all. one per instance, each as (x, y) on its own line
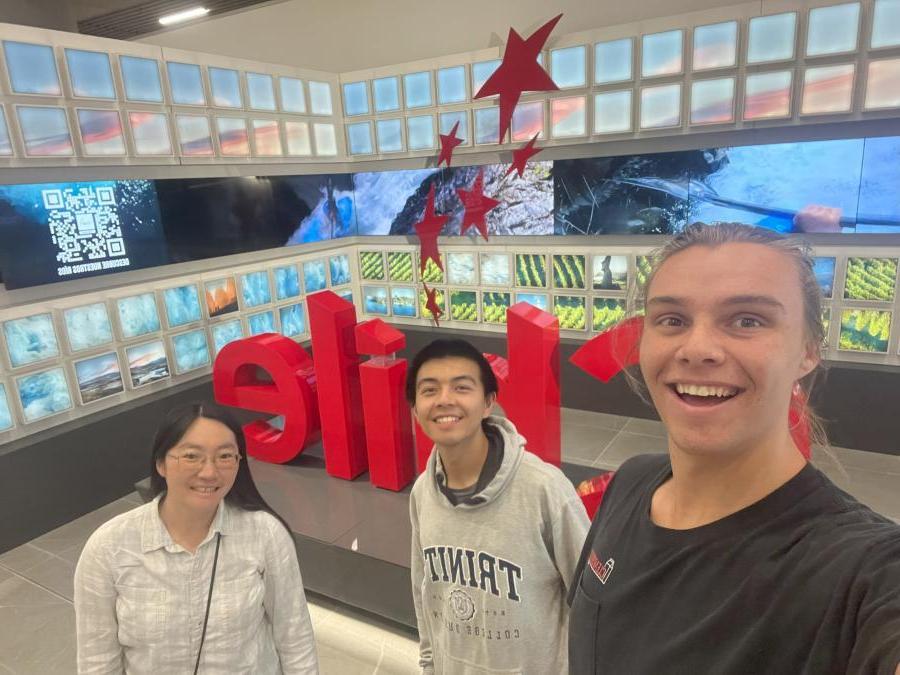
(96, 623)
(417, 578)
(285, 604)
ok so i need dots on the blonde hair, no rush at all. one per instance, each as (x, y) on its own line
(713, 236)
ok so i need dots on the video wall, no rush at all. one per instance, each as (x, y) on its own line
(55, 232)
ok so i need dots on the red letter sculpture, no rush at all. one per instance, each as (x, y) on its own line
(291, 393)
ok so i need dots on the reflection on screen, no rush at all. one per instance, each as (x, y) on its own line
(101, 132)
(45, 130)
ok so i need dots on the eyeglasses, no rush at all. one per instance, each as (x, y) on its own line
(195, 460)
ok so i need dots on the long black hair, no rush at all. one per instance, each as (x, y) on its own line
(243, 494)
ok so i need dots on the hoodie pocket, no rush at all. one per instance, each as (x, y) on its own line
(584, 626)
(462, 667)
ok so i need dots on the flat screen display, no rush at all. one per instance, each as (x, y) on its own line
(59, 231)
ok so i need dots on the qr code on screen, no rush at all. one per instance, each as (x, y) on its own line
(84, 223)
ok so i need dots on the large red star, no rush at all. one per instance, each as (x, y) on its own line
(518, 72)
(477, 205)
(448, 143)
(522, 155)
(432, 305)
(428, 230)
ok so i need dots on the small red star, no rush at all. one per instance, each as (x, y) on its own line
(428, 230)
(477, 205)
(522, 155)
(519, 71)
(448, 143)
(432, 305)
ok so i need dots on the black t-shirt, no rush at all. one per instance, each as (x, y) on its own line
(805, 581)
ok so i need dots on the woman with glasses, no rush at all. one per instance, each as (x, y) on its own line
(203, 578)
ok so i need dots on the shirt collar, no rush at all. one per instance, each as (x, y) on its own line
(154, 534)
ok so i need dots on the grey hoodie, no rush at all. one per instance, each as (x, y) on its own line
(490, 578)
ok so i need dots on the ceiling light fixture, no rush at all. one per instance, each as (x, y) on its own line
(186, 15)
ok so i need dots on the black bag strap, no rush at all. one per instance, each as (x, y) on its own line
(212, 580)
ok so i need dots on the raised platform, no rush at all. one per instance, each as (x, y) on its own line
(353, 539)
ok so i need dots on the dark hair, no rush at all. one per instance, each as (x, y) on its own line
(443, 349)
(243, 494)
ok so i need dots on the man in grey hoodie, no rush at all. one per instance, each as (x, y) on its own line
(496, 531)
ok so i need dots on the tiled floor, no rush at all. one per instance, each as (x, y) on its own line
(37, 622)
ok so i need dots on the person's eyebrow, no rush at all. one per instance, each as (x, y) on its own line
(766, 300)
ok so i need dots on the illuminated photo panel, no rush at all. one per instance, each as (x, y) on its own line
(528, 120)
(417, 90)
(221, 297)
(340, 270)
(449, 119)
(538, 300)
(386, 92)
(481, 71)
(45, 131)
(403, 301)
(233, 138)
(90, 74)
(828, 89)
(487, 125)
(772, 38)
(255, 289)
(883, 84)
(225, 332)
(531, 270)
(5, 143)
(326, 141)
(261, 91)
(606, 313)
(30, 339)
(715, 46)
(451, 84)
(319, 98)
(886, 24)
(43, 394)
(150, 132)
(88, 326)
(661, 106)
(31, 68)
(461, 269)
(314, 276)
(613, 61)
(226, 87)
(293, 319)
(263, 322)
(464, 305)
(865, 330)
(98, 377)
(768, 95)
(712, 101)
(612, 112)
(568, 271)
(494, 306)
(495, 269)
(400, 266)
(439, 298)
(185, 83)
(610, 273)
(147, 363)
(293, 99)
(287, 282)
(871, 279)
(194, 135)
(390, 135)
(266, 138)
(371, 265)
(570, 310)
(6, 418)
(296, 135)
(375, 300)
(356, 99)
(359, 137)
(661, 54)
(191, 351)
(568, 117)
(420, 132)
(182, 305)
(568, 66)
(832, 30)
(824, 271)
(101, 132)
(138, 315)
(141, 79)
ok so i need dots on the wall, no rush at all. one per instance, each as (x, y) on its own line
(55, 14)
(357, 34)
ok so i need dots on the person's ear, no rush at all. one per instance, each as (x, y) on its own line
(810, 360)
(489, 400)
(161, 467)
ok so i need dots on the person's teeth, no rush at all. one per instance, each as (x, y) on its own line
(703, 390)
(205, 489)
(442, 420)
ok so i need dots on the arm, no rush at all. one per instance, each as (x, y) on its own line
(417, 577)
(96, 623)
(876, 648)
(285, 604)
(568, 533)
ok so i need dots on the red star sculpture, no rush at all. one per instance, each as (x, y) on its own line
(519, 71)
(477, 205)
(432, 305)
(521, 156)
(448, 143)
(428, 230)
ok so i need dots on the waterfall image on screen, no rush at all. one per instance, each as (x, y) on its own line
(88, 326)
(43, 394)
(223, 333)
(314, 275)
(99, 377)
(287, 282)
(255, 289)
(293, 320)
(182, 305)
(138, 315)
(191, 351)
(58, 231)
(340, 270)
(30, 339)
(147, 363)
(264, 322)
(317, 207)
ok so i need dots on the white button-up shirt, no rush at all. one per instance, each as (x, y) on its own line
(140, 598)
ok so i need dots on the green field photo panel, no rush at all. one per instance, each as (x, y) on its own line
(438, 297)
(494, 306)
(642, 268)
(371, 265)
(871, 279)
(531, 270)
(432, 274)
(464, 305)
(865, 330)
(568, 271)
(400, 266)
(607, 312)
(569, 309)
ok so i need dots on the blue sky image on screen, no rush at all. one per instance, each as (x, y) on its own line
(42, 394)
(5, 143)
(88, 326)
(191, 350)
(226, 332)
(287, 282)
(141, 77)
(45, 131)
(340, 270)
(292, 98)
(260, 91)
(30, 339)
(879, 196)
(6, 421)
(225, 86)
(182, 305)
(824, 270)
(90, 74)
(138, 315)
(99, 377)
(293, 320)
(186, 83)
(376, 299)
(403, 301)
(147, 363)
(255, 289)
(32, 68)
(264, 322)
(314, 275)
(538, 300)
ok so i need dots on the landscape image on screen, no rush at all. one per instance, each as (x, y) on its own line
(43, 394)
(871, 279)
(824, 270)
(538, 300)
(88, 326)
(138, 315)
(191, 351)
(147, 363)
(610, 273)
(318, 207)
(403, 301)
(30, 339)
(182, 305)
(99, 377)
(53, 232)
(221, 297)
(375, 300)
(865, 330)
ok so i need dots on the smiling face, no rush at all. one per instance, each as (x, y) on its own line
(450, 401)
(723, 345)
(199, 487)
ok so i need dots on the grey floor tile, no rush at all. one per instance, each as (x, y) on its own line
(584, 444)
(647, 427)
(54, 574)
(335, 661)
(591, 418)
(868, 461)
(24, 557)
(627, 444)
(38, 639)
(879, 491)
